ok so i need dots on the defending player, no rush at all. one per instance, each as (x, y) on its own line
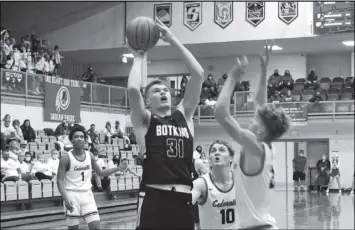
(215, 192)
(255, 173)
(74, 182)
(166, 141)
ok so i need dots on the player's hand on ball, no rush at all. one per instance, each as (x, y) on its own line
(239, 68)
(166, 34)
(69, 206)
(134, 52)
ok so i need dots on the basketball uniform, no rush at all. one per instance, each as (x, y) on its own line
(168, 147)
(78, 186)
(254, 194)
(195, 175)
(218, 211)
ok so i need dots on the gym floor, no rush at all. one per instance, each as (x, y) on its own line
(292, 210)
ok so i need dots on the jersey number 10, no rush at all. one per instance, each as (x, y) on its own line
(227, 216)
(176, 148)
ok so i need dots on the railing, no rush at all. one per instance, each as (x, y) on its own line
(28, 86)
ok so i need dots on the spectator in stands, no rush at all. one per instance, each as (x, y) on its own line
(29, 61)
(197, 153)
(100, 162)
(220, 82)
(132, 137)
(46, 65)
(274, 83)
(23, 60)
(275, 97)
(57, 60)
(316, 106)
(9, 167)
(25, 166)
(96, 143)
(17, 57)
(92, 133)
(53, 161)
(323, 168)
(115, 162)
(28, 132)
(88, 75)
(287, 81)
(108, 132)
(14, 148)
(63, 142)
(210, 85)
(18, 131)
(286, 96)
(334, 172)
(7, 131)
(41, 169)
(61, 127)
(7, 47)
(204, 95)
(183, 84)
(312, 80)
(9, 61)
(125, 169)
(118, 132)
(51, 65)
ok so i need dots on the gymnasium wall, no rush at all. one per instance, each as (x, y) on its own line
(339, 133)
(239, 30)
(331, 64)
(296, 63)
(35, 114)
(104, 30)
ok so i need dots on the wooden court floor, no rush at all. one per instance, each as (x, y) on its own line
(292, 210)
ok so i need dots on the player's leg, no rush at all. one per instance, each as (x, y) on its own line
(295, 181)
(72, 218)
(315, 182)
(141, 196)
(89, 210)
(330, 182)
(337, 177)
(302, 181)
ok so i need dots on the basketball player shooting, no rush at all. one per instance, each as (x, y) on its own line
(255, 173)
(215, 192)
(166, 139)
(74, 182)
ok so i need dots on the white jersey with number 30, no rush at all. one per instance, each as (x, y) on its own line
(78, 177)
(218, 212)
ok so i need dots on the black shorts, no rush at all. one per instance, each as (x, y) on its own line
(299, 176)
(165, 210)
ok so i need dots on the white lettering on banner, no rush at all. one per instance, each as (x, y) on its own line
(13, 74)
(62, 81)
(60, 117)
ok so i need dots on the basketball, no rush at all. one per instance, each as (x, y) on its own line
(142, 34)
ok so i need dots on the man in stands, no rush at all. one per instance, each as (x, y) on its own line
(92, 133)
(61, 127)
(274, 83)
(10, 169)
(312, 80)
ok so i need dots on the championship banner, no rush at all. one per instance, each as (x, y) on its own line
(223, 13)
(164, 13)
(13, 80)
(255, 12)
(192, 15)
(62, 100)
(333, 17)
(288, 11)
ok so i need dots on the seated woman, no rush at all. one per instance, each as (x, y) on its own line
(25, 160)
(41, 169)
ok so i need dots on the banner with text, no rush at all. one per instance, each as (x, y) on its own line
(62, 100)
(297, 112)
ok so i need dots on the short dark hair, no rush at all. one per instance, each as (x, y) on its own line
(225, 143)
(301, 151)
(152, 83)
(77, 129)
(275, 120)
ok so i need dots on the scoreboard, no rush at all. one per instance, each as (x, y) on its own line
(333, 17)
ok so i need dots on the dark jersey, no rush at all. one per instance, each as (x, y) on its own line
(169, 148)
(194, 173)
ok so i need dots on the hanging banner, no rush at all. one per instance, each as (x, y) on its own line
(255, 12)
(223, 13)
(62, 100)
(192, 15)
(164, 13)
(288, 11)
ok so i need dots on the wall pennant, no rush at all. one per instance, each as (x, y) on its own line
(288, 11)
(192, 15)
(255, 12)
(223, 13)
(164, 13)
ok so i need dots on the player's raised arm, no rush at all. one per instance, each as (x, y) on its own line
(261, 93)
(102, 172)
(193, 88)
(244, 137)
(139, 114)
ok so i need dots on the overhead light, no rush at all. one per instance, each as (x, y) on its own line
(274, 47)
(128, 55)
(124, 59)
(348, 43)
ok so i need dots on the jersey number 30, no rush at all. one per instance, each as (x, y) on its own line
(227, 215)
(176, 148)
